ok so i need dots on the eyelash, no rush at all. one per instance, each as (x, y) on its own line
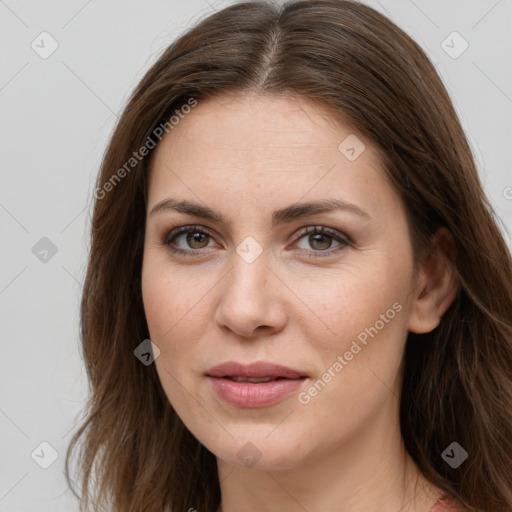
(344, 241)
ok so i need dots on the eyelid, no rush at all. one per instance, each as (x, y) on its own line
(309, 230)
(185, 229)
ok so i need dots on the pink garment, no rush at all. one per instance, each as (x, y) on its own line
(446, 504)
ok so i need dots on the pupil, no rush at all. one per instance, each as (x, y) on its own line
(319, 238)
(196, 240)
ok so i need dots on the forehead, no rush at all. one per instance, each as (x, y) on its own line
(247, 123)
(265, 147)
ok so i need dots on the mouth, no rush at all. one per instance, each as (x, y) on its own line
(254, 380)
(255, 385)
(260, 371)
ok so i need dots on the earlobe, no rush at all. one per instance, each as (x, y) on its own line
(436, 286)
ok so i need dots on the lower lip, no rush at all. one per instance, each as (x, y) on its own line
(248, 394)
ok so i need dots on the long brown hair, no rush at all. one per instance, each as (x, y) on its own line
(133, 451)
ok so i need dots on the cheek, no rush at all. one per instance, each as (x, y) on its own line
(176, 318)
(350, 302)
(359, 354)
(174, 302)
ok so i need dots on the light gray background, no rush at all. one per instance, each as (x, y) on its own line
(56, 115)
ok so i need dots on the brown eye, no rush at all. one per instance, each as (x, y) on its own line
(197, 239)
(321, 241)
(187, 240)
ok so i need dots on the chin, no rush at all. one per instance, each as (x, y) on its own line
(257, 451)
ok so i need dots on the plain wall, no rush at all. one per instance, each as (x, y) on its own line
(56, 114)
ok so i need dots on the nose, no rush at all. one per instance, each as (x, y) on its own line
(251, 300)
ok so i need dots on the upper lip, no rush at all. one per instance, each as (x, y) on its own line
(257, 369)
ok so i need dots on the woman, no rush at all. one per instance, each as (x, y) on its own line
(290, 211)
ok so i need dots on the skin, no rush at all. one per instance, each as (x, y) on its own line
(247, 156)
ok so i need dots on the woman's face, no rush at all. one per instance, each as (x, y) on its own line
(272, 271)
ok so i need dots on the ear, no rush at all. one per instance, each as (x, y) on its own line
(436, 284)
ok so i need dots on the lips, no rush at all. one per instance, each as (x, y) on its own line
(258, 370)
(254, 380)
(255, 385)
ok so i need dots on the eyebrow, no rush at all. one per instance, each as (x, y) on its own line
(281, 216)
